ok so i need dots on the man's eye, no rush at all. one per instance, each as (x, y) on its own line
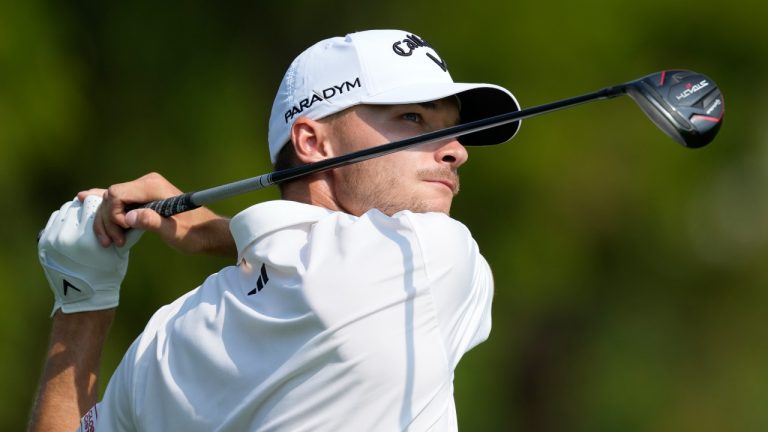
(414, 117)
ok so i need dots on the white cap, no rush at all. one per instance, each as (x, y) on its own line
(388, 67)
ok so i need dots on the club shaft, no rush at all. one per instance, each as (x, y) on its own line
(192, 200)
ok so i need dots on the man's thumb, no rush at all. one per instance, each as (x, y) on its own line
(144, 219)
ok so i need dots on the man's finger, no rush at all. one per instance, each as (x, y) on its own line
(112, 217)
(100, 230)
(144, 219)
(115, 207)
(149, 220)
(82, 195)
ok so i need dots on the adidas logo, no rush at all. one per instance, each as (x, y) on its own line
(261, 282)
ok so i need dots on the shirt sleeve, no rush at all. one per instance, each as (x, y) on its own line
(460, 279)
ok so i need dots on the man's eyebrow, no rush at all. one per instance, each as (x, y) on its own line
(432, 106)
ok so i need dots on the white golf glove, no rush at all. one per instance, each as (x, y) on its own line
(83, 275)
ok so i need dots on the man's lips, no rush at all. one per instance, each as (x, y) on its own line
(445, 177)
(450, 184)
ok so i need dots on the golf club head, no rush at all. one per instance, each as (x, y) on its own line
(686, 105)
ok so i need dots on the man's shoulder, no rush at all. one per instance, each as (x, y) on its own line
(266, 219)
(437, 236)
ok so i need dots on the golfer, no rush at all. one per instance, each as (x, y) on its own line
(351, 300)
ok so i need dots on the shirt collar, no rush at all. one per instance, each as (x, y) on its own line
(261, 219)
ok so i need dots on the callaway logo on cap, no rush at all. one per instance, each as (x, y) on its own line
(388, 67)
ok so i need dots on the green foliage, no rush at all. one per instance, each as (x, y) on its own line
(630, 272)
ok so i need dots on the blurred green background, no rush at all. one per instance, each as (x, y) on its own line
(631, 273)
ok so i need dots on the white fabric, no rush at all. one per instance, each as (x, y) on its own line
(359, 327)
(82, 275)
(376, 67)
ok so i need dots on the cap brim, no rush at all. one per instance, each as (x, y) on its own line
(478, 101)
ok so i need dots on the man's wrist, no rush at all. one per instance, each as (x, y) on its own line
(91, 323)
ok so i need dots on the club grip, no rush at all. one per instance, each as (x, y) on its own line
(170, 206)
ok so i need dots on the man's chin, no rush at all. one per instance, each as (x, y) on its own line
(432, 206)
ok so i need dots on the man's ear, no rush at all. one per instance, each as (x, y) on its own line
(310, 140)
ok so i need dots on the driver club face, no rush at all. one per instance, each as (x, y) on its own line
(687, 106)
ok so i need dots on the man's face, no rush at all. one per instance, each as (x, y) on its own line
(421, 179)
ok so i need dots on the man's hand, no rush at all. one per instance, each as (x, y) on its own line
(199, 231)
(83, 276)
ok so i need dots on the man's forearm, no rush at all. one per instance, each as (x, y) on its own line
(215, 237)
(69, 385)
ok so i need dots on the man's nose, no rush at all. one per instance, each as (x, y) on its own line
(451, 152)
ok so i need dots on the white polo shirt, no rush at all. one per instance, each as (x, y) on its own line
(329, 322)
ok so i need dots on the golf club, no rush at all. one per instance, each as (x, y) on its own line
(686, 105)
